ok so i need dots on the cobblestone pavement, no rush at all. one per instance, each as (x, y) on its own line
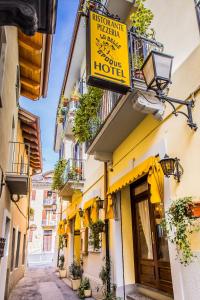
(42, 284)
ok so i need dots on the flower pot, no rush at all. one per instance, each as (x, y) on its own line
(87, 293)
(138, 74)
(75, 284)
(62, 273)
(196, 210)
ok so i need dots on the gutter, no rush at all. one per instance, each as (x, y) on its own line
(68, 65)
(47, 63)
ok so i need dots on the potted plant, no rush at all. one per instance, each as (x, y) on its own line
(31, 213)
(58, 175)
(76, 272)
(84, 290)
(137, 63)
(95, 234)
(179, 223)
(141, 20)
(62, 271)
(93, 4)
(64, 101)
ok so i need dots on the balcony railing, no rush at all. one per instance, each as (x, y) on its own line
(17, 175)
(49, 202)
(139, 48)
(49, 222)
(19, 160)
(74, 170)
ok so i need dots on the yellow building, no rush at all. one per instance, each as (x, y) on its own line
(121, 160)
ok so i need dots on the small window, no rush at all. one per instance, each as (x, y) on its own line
(24, 250)
(13, 249)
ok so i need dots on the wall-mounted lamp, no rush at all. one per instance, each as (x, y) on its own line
(171, 166)
(15, 198)
(1, 181)
(81, 212)
(100, 203)
(157, 70)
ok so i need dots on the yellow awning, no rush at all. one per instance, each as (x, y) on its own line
(73, 208)
(94, 212)
(61, 228)
(150, 167)
(89, 203)
(110, 208)
(77, 225)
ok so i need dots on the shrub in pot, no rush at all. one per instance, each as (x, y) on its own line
(84, 290)
(62, 270)
(76, 272)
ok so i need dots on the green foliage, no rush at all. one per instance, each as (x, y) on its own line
(85, 285)
(86, 116)
(75, 270)
(105, 276)
(58, 176)
(61, 262)
(179, 225)
(95, 237)
(31, 212)
(62, 241)
(141, 20)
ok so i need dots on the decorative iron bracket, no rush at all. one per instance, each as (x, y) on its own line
(189, 104)
(98, 7)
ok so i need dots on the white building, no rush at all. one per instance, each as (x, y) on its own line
(44, 207)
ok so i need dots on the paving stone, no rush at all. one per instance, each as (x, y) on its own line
(42, 284)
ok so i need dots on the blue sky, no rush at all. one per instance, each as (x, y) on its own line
(46, 108)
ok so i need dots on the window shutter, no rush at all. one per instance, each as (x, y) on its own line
(33, 195)
(45, 194)
(44, 215)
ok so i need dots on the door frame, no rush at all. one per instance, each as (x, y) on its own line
(138, 198)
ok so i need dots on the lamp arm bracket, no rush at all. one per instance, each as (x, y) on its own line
(189, 104)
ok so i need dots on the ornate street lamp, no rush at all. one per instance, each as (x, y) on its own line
(157, 75)
(100, 203)
(171, 166)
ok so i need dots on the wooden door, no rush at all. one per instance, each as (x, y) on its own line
(150, 242)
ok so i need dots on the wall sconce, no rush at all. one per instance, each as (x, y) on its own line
(1, 180)
(100, 203)
(171, 166)
(80, 211)
(157, 75)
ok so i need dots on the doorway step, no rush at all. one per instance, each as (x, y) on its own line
(141, 292)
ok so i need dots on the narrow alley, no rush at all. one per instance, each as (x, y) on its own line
(42, 283)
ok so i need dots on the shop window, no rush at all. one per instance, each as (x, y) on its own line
(18, 249)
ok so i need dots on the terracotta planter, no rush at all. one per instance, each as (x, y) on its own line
(87, 293)
(63, 273)
(75, 284)
(138, 74)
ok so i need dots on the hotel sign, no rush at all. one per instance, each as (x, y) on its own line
(107, 54)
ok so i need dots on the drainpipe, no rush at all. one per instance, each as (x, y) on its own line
(59, 237)
(107, 228)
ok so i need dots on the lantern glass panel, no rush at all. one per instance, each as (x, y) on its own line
(163, 64)
(148, 71)
(168, 166)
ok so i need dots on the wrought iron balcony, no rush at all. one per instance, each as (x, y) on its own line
(118, 106)
(17, 176)
(49, 202)
(49, 223)
(74, 170)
